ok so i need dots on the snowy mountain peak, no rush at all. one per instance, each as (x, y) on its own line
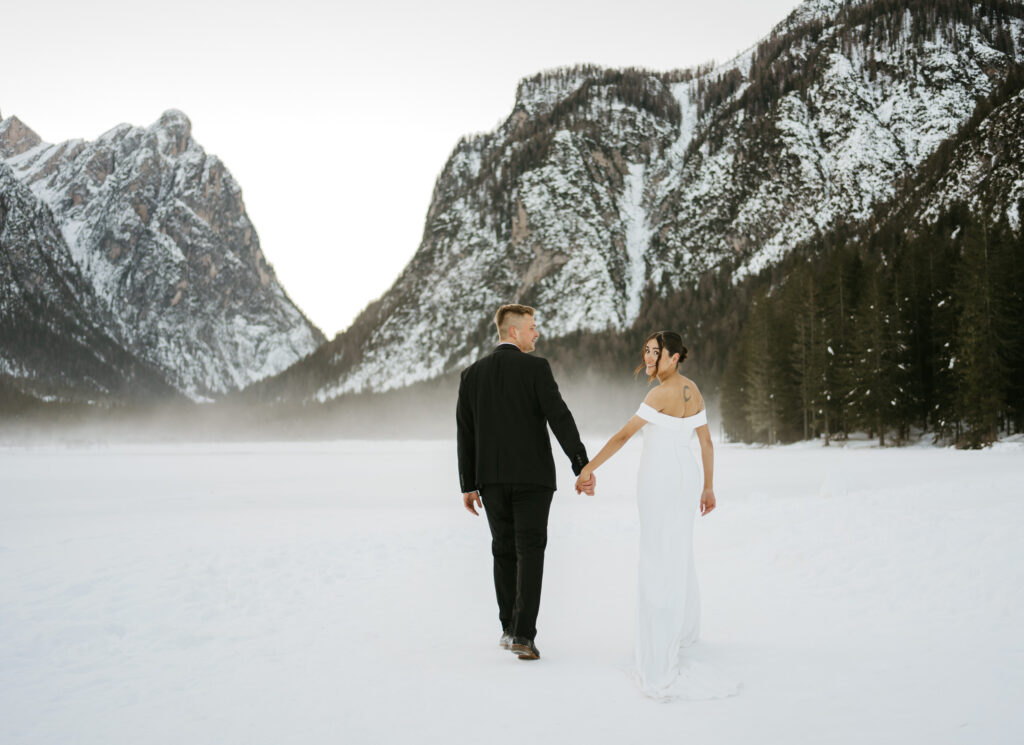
(815, 10)
(541, 91)
(174, 130)
(16, 137)
(157, 227)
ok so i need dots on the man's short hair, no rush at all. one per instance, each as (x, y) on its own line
(506, 314)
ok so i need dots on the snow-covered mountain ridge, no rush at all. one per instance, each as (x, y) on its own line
(53, 343)
(987, 169)
(606, 187)
(158, 231)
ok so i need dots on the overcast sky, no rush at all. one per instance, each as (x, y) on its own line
(335, 118)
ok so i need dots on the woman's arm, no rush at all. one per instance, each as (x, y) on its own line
(655, 398)
(610, 448)
(707, 457)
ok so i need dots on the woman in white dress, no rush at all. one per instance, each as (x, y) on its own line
(669, 495)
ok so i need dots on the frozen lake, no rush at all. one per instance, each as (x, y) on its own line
(338, 592)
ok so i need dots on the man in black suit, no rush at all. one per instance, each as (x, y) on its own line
(505, 400)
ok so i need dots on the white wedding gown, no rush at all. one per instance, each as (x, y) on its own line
(668, 599)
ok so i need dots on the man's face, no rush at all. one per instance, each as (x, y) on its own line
(523, 331)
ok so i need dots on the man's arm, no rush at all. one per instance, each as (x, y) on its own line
(560, 418)
(466, 438)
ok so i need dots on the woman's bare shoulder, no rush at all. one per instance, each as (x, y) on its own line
(657, 397)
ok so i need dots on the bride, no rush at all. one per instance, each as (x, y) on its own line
(668, 494)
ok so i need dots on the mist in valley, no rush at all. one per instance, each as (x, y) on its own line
(600, 405)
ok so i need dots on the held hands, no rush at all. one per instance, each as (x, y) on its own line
(468, 498)
(586, 482)
(707, 501)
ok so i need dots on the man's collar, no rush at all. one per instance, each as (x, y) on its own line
(507, 345)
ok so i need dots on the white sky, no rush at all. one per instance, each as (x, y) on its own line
(335, 118)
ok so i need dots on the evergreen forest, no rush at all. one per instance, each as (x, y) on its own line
(895, 327)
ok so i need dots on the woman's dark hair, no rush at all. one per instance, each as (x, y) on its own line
(667, 340)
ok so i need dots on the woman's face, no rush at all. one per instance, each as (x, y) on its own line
(652, 353)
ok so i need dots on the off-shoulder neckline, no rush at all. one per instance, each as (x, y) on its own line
(680, 418)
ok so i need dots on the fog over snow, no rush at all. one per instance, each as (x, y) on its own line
(338, 592)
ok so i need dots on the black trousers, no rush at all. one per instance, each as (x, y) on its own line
(518, 516)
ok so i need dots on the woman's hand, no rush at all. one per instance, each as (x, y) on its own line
(585, 481)
(707, 500)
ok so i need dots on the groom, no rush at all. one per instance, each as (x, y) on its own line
(505, 399)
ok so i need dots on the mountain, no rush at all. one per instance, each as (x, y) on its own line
(157, 231)
(606, 192)
(52, 339)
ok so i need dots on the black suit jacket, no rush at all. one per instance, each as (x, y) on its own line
(505, 399)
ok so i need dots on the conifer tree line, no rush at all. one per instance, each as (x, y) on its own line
(889, 336)
(893, 327)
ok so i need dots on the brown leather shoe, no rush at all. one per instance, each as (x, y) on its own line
(506, 640)
(524, 648)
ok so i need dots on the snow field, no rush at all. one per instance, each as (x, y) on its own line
(338, 592)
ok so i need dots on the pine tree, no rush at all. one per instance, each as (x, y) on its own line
(734, 394)
(979, 369)
(870, 397)
(761, 373)
(809, 353)
(843, 279)
(938, 255)
(905, 403)
(1010, 291)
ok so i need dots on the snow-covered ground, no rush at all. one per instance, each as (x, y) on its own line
(338, 593)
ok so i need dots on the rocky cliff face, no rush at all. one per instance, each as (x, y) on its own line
(53, 343)
(986, 171)
(606, 187)
(158, 231)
